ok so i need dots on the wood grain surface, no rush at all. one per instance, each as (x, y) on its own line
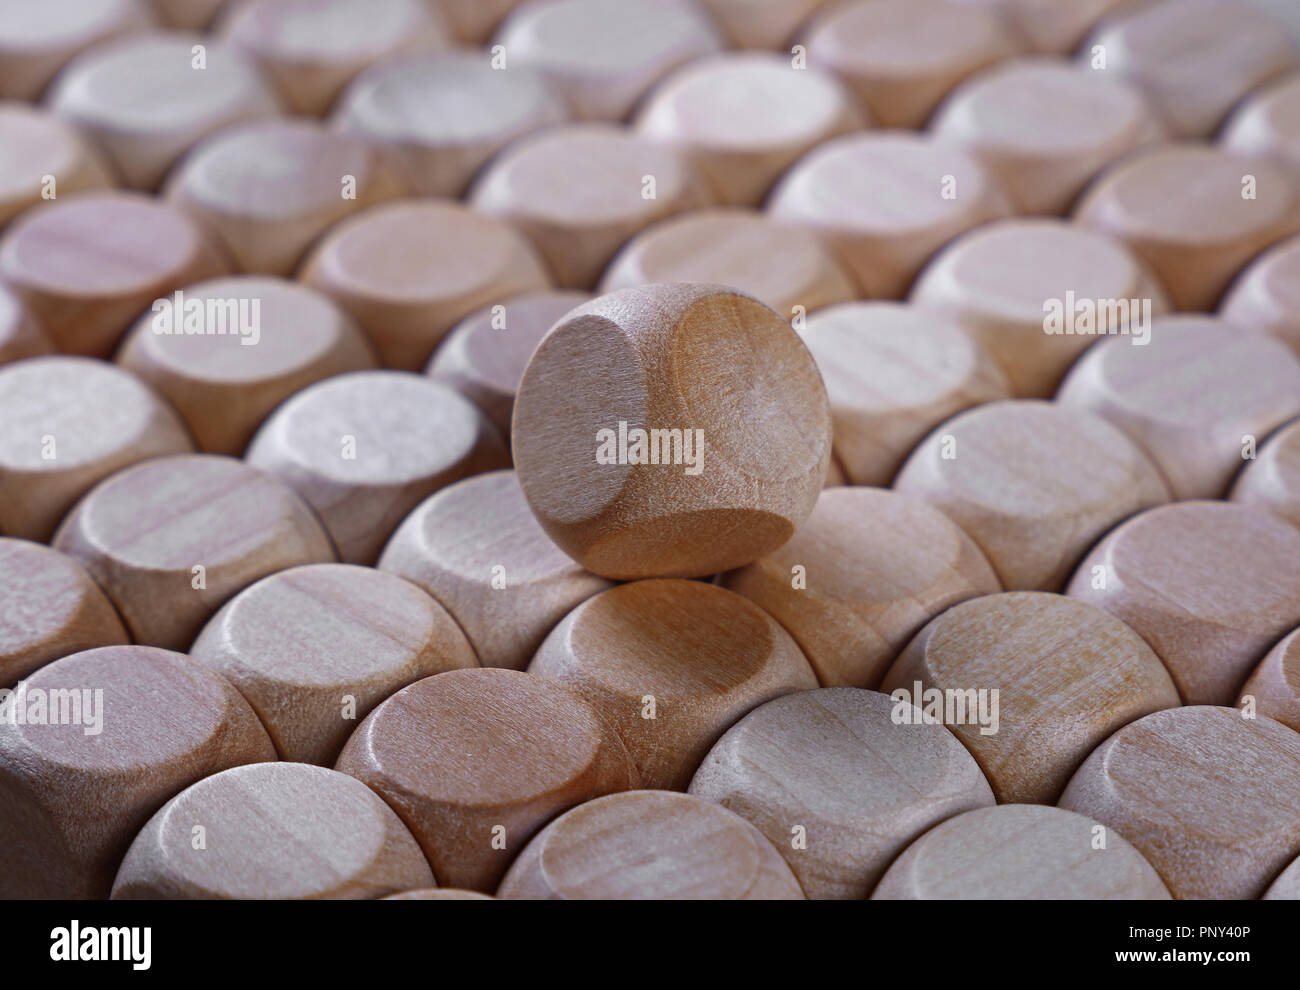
(34, 145)
(1272, 480)
(1267, 295)
(1275, 684)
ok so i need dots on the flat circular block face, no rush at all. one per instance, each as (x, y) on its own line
(1287, 885)
(1267, 295)
(1275, 684)
(1211, 799)
(98, 742)
(172, 539)
(1268, 124)
(88, 265)
(760, 23)
(671, 430)
(38, 39)
(407, 272)
(1048, 26)
(36, 147)
(67, 423)
(837, 785)
(476, 761)
(1209, 585)
(1199, 397)
(1021, 852)
(477, 548)
(650, 845)
(1272, 480)
(1035, 485)
(273, 831)
(861, 576)
(438, 894)
(364, 449)
(226, 352)
(146, 100)
(885, 202)
(1068, 675)
(20, 335)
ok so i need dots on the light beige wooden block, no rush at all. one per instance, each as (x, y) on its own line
(189, 15)
(760, 23)
(1287, 885)
(1267, 123)
(1052, 26)
(41, 157)
(1267, 295)
(20, 335)
(473, 21)
(39, 37)
(1275, 684)
(1272, 480)
(438, 894)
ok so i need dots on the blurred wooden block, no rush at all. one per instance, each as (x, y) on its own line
(1287, 885)
(760, 23)
(1199, 397)
(861, 576)
(473, 21)
(1272, 480)
(650, 845)
(273, 831)
(1267, 295)
(188, 15)
(1268, 124)
(1212, 800)
(477, 548)
(935, 193)
(1209, 585)
(36, 147)
(438, 894)
(89, 265)
(837, 786)
(170, 540)
(1068, 675)
(141, 724)
(365, 449)
(66, 424)
(1020, 852)
(476, 761)
(20, 335)
(1052, 26)
(1034, 484)
(1275, 684)
(408, 271)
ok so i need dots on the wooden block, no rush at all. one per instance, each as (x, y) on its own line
(743, 118)
(720, 367)
(1068, 675)
(1209, 585)
(170, 540)
(135, 726)
(268, 189)
(66, 424)
(580, 192)
(473, 21)
(36, 147)
(437, 119)
(285, 337)
(188, 15)
(272, 831)
(1051, 26)
(1266, 297)
(476, 761)
(438, 894)
(484, 355)
(477, 548)
(781, 265)
(893, 373)
(1211, 799)
(837, 786)
(1009, 282)
(1199, 397)
(650, 845)
(1272, 480)
(20, 335)
(89, 265)
(1287, 885)
(1034, 484)
(1196, 215)
(935, 192)
(1268, 124)
(1275, 684)
(146, 100)
(365, 449)
(861, 576)
(760, 23)
(408, 271)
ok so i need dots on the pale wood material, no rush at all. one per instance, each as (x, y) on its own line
(142, 533)
(1020, 852)
(88, 265)
(1182, 208)
(861, 576)
(894, 372)
(189, 15)
(20, 335)
(34, 145)
(473, 21)
(224, 387)
(760, 23)
(144, 103)
(743, 118)
(66, 423)
(273, 831)
(409, 271)
(438, 894)
(1034, 484)
(879, 201)
(1287, 885)
(650, 845)
(365, 449)
(476, 761)
(1199, 397)
(1275, 684)
(1052, 26)
(39, 37)
(674, 356)
(1212, 800)
(1209, 585)
(580, 192)
(837, 786)
(1267, 295)
(268, 189)
(72, 801)
(778, 264)
(1000, 281)
(1068, 675)
(477, 548)
(1268, 124)
(1272, 480)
